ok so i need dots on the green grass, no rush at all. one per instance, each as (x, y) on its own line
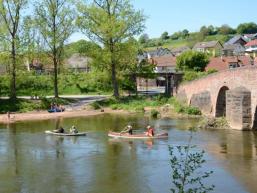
(190, 41)
(132, 103)
(138, 104)
(182, 108)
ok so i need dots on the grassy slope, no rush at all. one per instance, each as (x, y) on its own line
(185, 42)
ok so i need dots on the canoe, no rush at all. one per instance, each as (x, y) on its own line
(66, 134)
(137, 136)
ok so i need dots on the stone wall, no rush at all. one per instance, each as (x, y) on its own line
(230, 79)
(202, 101)
(238, 108)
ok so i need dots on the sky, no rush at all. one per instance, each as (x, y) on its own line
(176, 15)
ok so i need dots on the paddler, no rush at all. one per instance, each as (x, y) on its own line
(128, 129)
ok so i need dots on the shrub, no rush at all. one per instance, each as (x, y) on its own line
(154, 113)
(96, 105)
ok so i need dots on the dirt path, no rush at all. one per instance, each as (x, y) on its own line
(43, 115)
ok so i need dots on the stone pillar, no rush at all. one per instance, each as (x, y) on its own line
(168, 86)
(238, 108)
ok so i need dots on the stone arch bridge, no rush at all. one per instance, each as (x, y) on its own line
(230, 93)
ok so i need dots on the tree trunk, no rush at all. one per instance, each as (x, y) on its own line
(56, 95)
(113, 68)
(114, 81)
(13, 73)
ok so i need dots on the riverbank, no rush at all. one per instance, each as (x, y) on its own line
(44, 115)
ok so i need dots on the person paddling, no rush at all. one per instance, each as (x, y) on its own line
(150, 131)
(60, 130)
(73, 129)
(128, 130)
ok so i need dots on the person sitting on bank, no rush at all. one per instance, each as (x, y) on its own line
(73, 129)
(60, 130)
(150, 131)
(128, 130)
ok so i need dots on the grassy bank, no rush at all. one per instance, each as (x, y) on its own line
(139, 103)
(25, 105)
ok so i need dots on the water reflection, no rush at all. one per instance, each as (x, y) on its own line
(31, 161)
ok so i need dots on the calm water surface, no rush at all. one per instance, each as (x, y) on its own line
(31, 161)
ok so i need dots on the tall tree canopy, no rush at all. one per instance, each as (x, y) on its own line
(110, 23)
(11, 20)
(55, 20)
(247, 28)
(192, 60)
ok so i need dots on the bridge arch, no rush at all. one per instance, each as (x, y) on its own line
(221, 102)
(255, 119)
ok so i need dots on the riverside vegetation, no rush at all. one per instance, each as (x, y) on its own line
(140, 103)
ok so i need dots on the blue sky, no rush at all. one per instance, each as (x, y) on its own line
(175, 15)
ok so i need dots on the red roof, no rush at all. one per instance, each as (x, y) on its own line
(251, 43)
(166, 60)
(222, 63)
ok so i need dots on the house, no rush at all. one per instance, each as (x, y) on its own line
(78, 63)
(238, 39)
(165, 71)
(224, 63)
(212, 48)
(251, 48)
(164, 64)
(159, 52)
(179, 50)
(233, 50)
(250, 37)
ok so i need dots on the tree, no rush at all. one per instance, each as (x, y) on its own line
(11, 14)
(165, 36)
(225, 30)
(247, 28)
(205, 31)
(143, 39)
(55, 20)
(109, 23)
(185, 33)
(192, 60)
(186, 163)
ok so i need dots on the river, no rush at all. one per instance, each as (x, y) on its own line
(33, 162)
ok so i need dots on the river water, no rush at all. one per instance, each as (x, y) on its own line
(32, 162)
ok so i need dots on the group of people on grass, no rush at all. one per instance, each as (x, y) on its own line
(73, 130)
(56, 108)
(129, 130)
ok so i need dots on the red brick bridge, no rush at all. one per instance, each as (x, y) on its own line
(230, 93)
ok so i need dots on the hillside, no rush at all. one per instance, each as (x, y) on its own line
(189, 41)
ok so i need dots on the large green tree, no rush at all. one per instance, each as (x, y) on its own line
(192, 60)
(247, 28)
(55, 20)
(109, 23)
(11, 20)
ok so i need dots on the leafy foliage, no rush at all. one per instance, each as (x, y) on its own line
(55, 21)
(192, 60)
(110, 23)
(186, 164)
(184, 109)
(247, 28)
(190, 75)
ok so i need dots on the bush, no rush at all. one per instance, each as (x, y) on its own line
(154, 113)
(180, 108)
(192, 111)
(96, 105)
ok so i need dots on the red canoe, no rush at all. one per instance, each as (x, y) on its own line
(136, 136)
